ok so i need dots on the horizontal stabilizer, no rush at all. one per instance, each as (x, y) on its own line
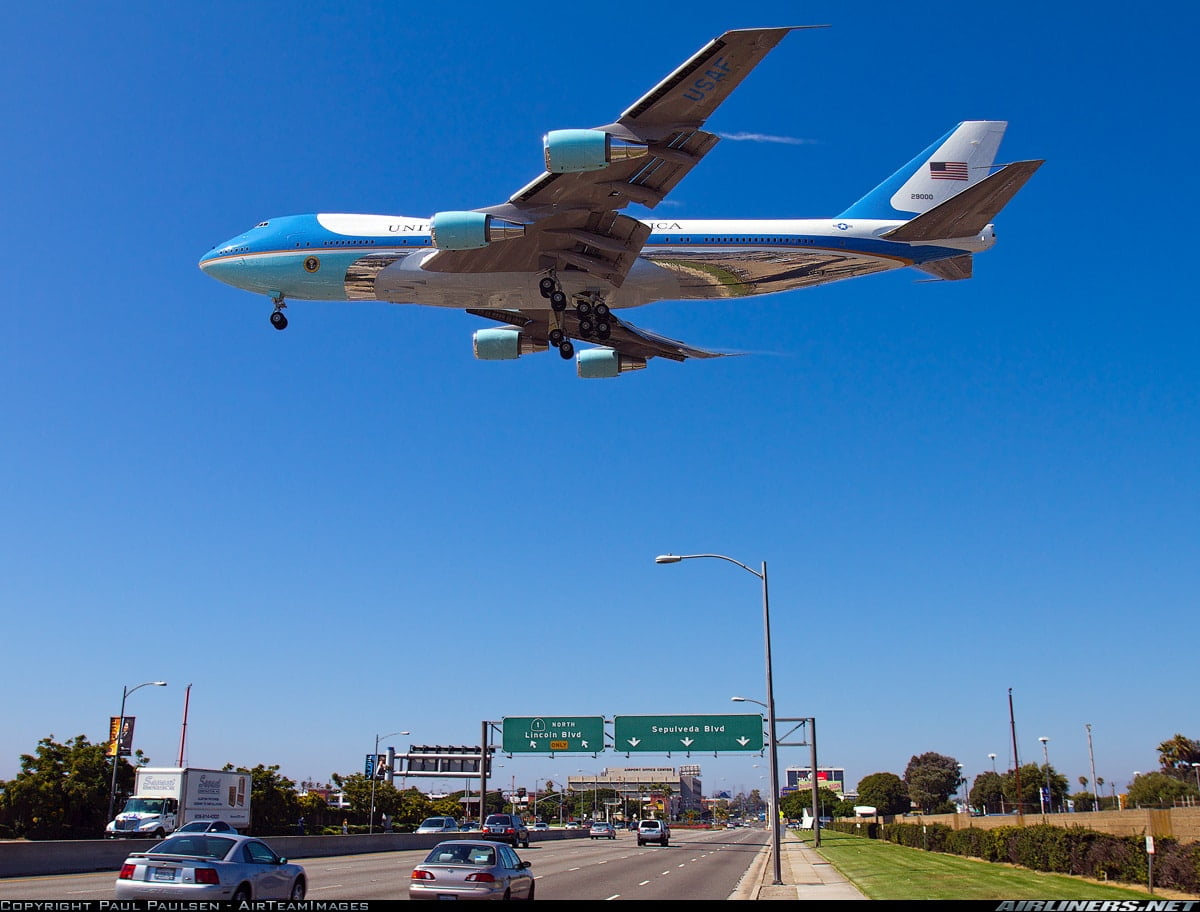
(951, 269)
(969, 212)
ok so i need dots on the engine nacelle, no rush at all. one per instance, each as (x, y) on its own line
(504, 344)
(469, 230)
(599, 363)
(570, 151)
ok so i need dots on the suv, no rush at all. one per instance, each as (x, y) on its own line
(653, 831)
(506, 828)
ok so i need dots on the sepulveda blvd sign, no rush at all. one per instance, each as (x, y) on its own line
(553, 735)
(659, 734)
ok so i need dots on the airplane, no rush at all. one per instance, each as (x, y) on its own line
(559, 259)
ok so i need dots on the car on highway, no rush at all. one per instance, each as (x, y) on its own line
(656, 831)
(540, 826)
(471, 869)
(506, 828)
(438, 825)
(573, 825)
(601, 830)
(207, 826)
(210, 866)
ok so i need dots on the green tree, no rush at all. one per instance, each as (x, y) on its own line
(886, 792)
(276, 803)
(793, 805)
(1158, 790)
(61, 791)
(1176, 756)
(931, 779)
(1033, 780)
(988, 793)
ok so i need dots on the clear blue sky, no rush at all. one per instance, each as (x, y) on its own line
(353, 527)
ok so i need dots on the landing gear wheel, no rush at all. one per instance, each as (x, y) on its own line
(603, 329)
(558, 301)
(601, 310)
(278, 320)
(566, 349)
(585, 327)
(547, 286)
(583, 308)
(556, 337)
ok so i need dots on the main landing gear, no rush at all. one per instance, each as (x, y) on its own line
(592, 312)
(278, 320)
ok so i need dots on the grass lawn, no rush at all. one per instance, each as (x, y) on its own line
(883, 870)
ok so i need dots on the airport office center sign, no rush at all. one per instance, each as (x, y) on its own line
(553, 735)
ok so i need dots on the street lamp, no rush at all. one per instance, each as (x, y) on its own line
(1196, 770)
(375, 776)
(773, 807)
(1046, 758)
(962, 780)
(125, 692)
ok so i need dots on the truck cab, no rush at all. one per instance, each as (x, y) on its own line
(144, 818)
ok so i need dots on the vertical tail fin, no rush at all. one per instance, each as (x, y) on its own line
(958, 160)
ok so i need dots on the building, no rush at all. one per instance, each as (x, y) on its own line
(645, 791)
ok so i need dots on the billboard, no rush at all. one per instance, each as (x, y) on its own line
(830, 777)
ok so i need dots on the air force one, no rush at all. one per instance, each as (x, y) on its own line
(558, 260)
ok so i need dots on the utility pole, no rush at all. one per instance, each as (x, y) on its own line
(1016, 757)
(1092, 759)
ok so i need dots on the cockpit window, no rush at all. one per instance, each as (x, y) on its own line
(262, 225)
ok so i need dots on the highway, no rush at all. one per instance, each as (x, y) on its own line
(697, 865)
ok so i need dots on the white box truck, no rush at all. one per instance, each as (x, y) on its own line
(165, 798)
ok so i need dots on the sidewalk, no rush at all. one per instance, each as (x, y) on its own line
(805, 875)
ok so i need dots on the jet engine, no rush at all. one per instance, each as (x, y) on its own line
(586, 150)
(504, 344)
(469, 230)
(598, 363)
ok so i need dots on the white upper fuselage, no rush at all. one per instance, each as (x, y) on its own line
(332, 257)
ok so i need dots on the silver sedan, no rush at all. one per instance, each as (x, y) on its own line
(202, 866)
(467, 869)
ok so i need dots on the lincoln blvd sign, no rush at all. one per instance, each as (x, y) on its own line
(553, 734)
(666, 734)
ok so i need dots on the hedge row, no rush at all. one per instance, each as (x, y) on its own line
(1059, 850)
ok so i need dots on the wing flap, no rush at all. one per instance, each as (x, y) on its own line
(951, 269)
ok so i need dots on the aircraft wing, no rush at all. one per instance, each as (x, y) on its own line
(572, 219)
(626, 338)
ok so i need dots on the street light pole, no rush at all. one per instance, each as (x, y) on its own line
(1092, 760)
(375, 776)
(1046, 757)
(125, 692)
(992, 757)
(773, 805)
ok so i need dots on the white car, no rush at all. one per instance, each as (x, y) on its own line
(540, 826)
(438, 825)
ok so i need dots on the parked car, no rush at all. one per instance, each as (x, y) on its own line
(653, 831)
(438, 825)
(601, 830)
(206, 826)
(210, 866)
(506, 828)
(470, 869)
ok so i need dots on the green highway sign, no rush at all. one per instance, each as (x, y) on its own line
(553, 734)
(664, 734)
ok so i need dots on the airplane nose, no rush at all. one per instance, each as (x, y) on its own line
(222, 265)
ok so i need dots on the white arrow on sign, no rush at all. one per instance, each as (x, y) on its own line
(584, 743)
(686, 742)
(743, 741)
(533, 744)
(634, 742)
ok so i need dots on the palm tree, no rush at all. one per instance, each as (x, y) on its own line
(1178, 751)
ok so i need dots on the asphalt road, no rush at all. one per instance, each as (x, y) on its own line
(697, 865)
